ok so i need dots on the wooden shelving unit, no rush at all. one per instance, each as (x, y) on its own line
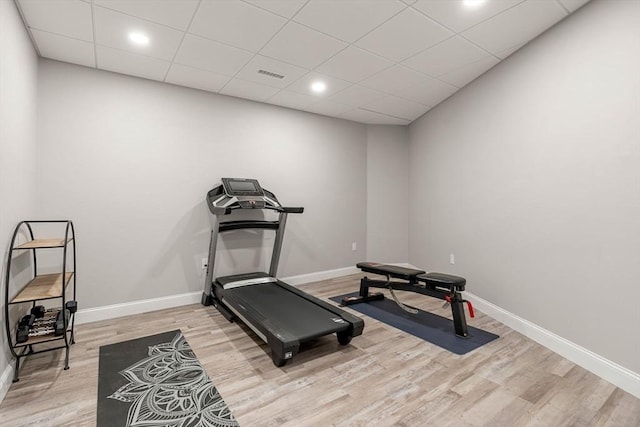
(43, 243)
(42, 287)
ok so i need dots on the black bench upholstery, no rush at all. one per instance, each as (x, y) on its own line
(394, 271)
(413, 275)
(437, 285)
(442, 280)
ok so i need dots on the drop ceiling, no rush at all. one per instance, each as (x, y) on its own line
(382, 61)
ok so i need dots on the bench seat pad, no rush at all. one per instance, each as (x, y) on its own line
(443, 280)
(391, 270)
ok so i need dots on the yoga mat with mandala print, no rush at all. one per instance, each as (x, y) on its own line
(157, 381)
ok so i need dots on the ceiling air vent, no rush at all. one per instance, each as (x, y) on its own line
(271, 74)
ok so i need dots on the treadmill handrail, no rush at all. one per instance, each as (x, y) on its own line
(296, 210)
(248, 224)
(227, 210)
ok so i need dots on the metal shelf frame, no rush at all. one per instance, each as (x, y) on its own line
(41, 287)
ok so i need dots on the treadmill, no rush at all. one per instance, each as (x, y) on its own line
(280, 314)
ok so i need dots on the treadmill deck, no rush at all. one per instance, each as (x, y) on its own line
(286, 310)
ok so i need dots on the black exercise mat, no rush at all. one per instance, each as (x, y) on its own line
(430, 327)
(157, 381)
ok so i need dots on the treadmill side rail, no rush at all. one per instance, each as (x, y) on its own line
(282, 344)
(356, 323)
(249, 282)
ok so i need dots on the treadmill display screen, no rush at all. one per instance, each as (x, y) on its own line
(242, 187)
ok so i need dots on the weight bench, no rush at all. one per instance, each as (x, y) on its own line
(437, 285)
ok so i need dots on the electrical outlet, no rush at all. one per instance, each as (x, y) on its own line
(354, 246)
(452, 259)
(205, 261)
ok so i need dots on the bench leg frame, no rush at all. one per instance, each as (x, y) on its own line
(454, 298)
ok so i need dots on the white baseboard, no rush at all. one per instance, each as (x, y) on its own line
(617, 375)
(606, 369)
(6, 379)
(136, 307)
(143, 306)
(320, 275)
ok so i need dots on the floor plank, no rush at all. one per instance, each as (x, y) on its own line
(384, 377)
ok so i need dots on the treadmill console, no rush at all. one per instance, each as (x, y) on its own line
(242, 187)
(240, 193)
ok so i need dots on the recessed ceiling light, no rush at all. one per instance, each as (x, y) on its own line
(138, 38)
(473, 3)
(318, 86)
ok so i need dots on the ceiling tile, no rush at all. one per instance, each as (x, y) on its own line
(328, 108)
(353, 65)
(428, 92)
(173, 13)
(404, 35)
(504, 53)
(418, 51)
(303, 84)
(347, 20)
(396, 107)
(469, 72)
(290, 72)
(195, 78)
(458, 17)
(356, 96)
(112, 29)
(446, 56)
(516, 26)
(371, 117)
(285, 8)
(573, 5)
(248, 90)
(211, 56)
(287, 98)
(129, 63)
(310, 49)
(236, 23)
(71, 18)
(65, 49)
(393, 79)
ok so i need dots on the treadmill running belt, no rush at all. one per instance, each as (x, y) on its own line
(286, 310)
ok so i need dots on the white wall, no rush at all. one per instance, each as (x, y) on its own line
(530, 177)
(387, 194)
(130, 161)
(18, 84)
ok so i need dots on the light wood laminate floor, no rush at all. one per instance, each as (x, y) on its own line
(383, 378)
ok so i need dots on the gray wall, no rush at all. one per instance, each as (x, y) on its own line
(130, 161)
(18, 84)
(530, 177)
(387, 193)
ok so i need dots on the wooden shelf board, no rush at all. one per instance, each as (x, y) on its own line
(40, 339)
(43, 287)
(43, 243)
